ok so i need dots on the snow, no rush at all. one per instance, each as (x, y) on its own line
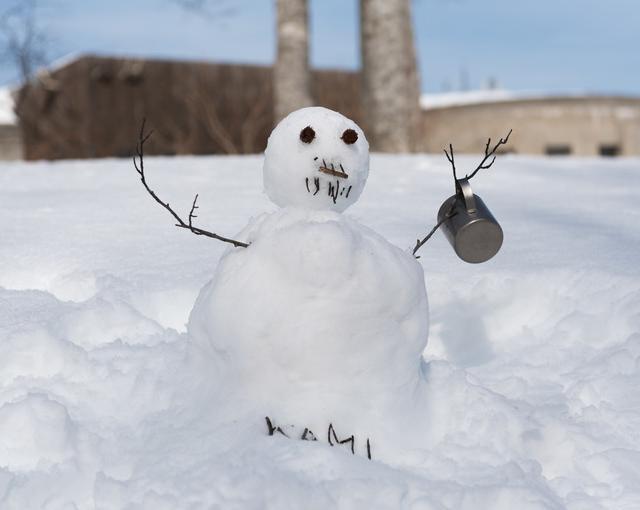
(322, 172)
(7, 115)
(460, 98)
(319, 314)
(470, 97)
(531, 371)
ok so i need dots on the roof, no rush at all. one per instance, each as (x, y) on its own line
(7, 115)
(475, 97)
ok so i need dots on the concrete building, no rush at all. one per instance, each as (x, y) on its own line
(10, 138)
(587, 125)
(90, 106)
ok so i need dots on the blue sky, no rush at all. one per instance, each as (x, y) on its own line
(541, 45)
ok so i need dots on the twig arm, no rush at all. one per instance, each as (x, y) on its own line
(489, 154)
(450, 157)
(138, 163)
(421, 242)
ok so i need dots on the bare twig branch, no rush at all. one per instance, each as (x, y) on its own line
(420, 242)
(208, 114)
(139, 166)
(191, 212)
(488, 153)
(451, 160)
(23, 41)
(332, 432)
(256, 117)
(271, 429)
(308, 435)
(213, 10)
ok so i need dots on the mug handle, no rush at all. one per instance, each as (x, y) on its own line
(467, 194)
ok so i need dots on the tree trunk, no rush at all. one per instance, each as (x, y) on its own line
(291, 73)
(390, 82)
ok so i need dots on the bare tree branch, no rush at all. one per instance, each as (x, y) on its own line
(142, 138)
(209, 9)
(488, 153)
(207, 112)
(22, 40)
(451, 160)
(257, 114)
(420, 242)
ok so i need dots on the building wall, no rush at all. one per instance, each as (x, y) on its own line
(583, 125)
(94, 106)
(10, 142)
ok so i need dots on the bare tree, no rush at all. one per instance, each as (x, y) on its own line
(206, 111)
(291, 75)
(212, 9)
(390, 83)
(253, 116)
(291, 78)
(22, 40)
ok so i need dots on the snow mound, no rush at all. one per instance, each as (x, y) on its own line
(319, 313)
(7, 115)
(530, 378)
(35, 432)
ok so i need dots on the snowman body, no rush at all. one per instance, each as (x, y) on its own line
(320, 319)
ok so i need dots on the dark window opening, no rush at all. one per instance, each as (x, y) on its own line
(558, 150)
(609, 151)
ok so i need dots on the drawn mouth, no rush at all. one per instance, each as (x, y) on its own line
(332, 170)
(333, 190)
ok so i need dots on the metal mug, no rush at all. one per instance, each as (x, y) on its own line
(469, 226)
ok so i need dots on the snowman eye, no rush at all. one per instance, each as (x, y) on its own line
(349, 136)
(307, 134)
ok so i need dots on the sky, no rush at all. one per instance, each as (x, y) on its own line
(560, 46)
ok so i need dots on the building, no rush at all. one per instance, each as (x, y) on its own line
(587, 125)
(10, 138)
(90, 106)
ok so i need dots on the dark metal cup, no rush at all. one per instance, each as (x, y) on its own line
(469, 226)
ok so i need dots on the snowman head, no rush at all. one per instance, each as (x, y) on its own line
(316, 159)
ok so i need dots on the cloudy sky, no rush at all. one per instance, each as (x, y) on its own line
(543, 45)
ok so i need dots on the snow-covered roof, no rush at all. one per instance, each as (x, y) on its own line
(63, 61)
(446, 99)
(459, 98)
(7, 115)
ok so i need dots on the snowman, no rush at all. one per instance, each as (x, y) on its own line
(319, 323)
(314, 322)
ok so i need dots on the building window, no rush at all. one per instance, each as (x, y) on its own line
(609, 151)
(558, 150)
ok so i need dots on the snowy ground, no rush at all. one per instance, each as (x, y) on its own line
(533, 358)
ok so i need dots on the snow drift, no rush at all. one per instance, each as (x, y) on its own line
(531, 371)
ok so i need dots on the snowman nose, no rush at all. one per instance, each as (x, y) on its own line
(332, 170)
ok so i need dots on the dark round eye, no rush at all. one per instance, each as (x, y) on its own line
(349, 136)
(307, 134)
